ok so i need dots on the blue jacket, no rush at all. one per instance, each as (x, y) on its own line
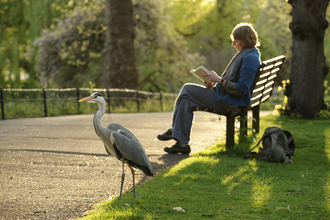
(243, 81)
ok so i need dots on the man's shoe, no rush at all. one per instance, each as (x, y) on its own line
(177, 148)
(166, 136)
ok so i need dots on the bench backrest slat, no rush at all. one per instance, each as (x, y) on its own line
(262, 87)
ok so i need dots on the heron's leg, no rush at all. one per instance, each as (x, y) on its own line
(122, 178)
(133, 173)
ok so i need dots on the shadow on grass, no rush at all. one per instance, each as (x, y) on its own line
(220, 184)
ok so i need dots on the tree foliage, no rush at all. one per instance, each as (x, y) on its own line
(21, 22)
(211, 22)
(72, 54)
(163, 56)
(171, 37)
(208, 28)
(275, 35)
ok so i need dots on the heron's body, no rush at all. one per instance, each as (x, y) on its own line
(120, 142)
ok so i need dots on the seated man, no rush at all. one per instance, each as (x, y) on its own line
(228, 96)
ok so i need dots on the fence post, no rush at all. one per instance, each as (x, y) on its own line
(108, 99)
(138, 101)
(45, 101)
(2, 106)
(161, 101)
(78, 98)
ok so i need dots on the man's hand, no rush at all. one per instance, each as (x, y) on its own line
(208, 85)
(213, 76)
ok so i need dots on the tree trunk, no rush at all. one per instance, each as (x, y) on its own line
(308, 69)
(119, 60)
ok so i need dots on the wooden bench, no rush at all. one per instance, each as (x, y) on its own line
(261, 91)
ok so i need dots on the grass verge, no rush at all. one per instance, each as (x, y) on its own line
(219, 184)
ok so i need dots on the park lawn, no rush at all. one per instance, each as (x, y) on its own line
(218, 184)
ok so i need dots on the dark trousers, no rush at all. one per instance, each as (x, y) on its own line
(192, 95)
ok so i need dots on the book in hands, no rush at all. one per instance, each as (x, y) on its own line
(200, 72)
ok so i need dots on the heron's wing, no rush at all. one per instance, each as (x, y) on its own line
(131, 149)
(128, 146)
(115, 127)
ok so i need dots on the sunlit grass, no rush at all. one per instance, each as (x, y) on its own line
(219, 184)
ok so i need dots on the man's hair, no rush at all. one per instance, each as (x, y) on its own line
(245, 33)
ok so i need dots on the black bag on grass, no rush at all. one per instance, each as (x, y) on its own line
(278, 146)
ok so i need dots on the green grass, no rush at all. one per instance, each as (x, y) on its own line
(219, 184)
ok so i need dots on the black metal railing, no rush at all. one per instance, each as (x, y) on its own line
(21, 103)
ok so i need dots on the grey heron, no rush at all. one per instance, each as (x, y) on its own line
(119, 142)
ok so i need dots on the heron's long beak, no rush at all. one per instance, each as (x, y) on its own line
(85, 99)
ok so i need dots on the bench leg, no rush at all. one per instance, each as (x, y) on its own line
(230, 133)
(256, 117)
(243, 126)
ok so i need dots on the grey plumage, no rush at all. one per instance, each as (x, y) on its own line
(119, 142)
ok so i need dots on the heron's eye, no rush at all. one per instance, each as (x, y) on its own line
(95, 97)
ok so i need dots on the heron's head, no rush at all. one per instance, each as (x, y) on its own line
(94, 98)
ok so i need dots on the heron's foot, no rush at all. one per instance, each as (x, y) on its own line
(166, 136)
(178, 148)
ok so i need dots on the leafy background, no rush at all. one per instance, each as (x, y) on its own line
(59, 43)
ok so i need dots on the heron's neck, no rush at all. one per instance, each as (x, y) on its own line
(101, 109)
(97, 119)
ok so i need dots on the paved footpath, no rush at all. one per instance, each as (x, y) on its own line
(57, 168)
